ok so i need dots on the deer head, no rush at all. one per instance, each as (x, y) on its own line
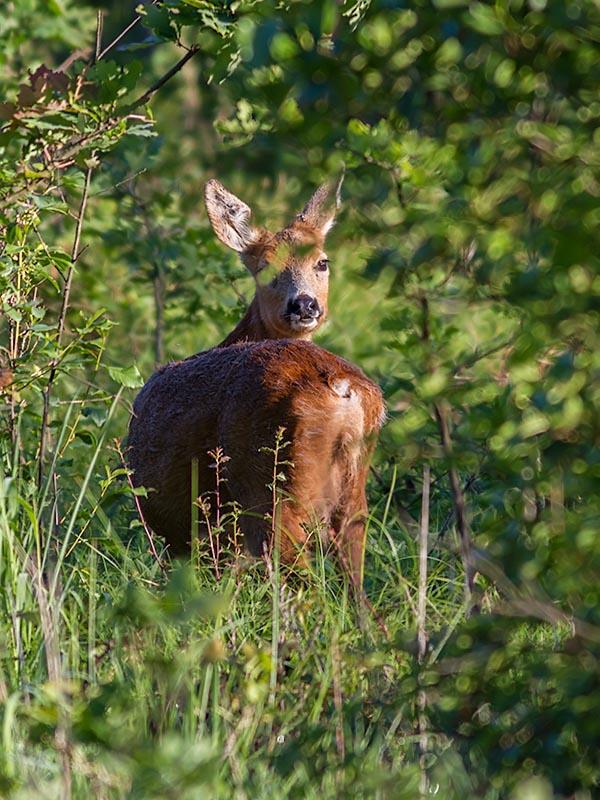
(290, 267)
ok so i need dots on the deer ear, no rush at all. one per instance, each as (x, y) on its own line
(320, 210)
(229, 217)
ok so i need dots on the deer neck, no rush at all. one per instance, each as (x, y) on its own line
(250, 328)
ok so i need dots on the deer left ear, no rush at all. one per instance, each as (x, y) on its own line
(319, 212)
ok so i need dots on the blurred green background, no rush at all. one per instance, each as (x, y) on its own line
(464, 280)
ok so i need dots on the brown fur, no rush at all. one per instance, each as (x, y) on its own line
(237, 398)
(264, 376)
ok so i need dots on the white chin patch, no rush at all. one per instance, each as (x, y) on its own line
(303, 324)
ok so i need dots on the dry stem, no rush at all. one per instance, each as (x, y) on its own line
(75, 253)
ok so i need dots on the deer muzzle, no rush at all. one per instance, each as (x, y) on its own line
(303, 311)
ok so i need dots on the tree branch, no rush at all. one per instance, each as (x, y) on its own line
(423, 552)
(166, 77)
(458, 498)
(123, 33)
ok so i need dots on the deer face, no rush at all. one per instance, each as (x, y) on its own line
(290, 268)
(292, 283)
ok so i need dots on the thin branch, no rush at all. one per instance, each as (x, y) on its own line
(338, 700)
(361, 595)
(120, 183)
(423, 552)
(158, 277)
(425, 319)
(158, 284)
(98, 52)
(99, 30)
(147, 530)
(75, 253)
(422, 628)
(532, 603)
(458, 498)
(123, 33)
(480, 355)
(450, 515)
(166, 77)
(405, 517)
(83, 53)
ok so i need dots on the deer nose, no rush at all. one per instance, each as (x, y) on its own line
(304, 306)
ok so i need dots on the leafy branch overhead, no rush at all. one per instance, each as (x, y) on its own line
(59, 121)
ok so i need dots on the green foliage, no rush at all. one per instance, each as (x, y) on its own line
(465, 279)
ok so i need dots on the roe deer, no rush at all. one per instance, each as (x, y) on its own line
(240, 394)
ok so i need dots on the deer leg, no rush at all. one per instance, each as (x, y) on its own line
(293, 539)
(290, 536)
(349, 530)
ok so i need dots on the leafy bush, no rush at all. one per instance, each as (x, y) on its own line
(465, 281)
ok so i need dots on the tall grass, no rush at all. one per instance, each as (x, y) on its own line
(119, 680)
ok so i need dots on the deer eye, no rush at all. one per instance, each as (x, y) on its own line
(322, 265)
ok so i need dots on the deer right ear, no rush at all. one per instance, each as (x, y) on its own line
(319, 212)
(229, 217)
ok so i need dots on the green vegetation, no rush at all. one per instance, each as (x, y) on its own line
(465, 280)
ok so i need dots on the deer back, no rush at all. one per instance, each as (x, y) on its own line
(238, 398)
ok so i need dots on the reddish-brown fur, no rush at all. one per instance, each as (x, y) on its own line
(238, 395)
(237, 398)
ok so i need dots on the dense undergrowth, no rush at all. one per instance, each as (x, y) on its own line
(464, 280)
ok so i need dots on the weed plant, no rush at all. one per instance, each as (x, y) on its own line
(125, 678)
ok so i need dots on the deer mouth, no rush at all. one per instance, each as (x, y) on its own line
(303, 312)
(300, 323)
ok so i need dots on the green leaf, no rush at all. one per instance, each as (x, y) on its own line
(126, 376)
(483, 18)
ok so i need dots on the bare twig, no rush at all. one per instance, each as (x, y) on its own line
(458, 498)
(75, 253)
(450, 515)
(158, 284)
(529, 607)
(83, 53)
(99, 29)
(480, 355)
(360, 592)
(425, 318)
(338, 701)
(336, 679)
(49, 619)
(423, 551)
(147, 530)
(422, 626)
(405, 517)
(98, 52)
(531, 602)
(3, 690)
(166, 77)
(123, 33)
